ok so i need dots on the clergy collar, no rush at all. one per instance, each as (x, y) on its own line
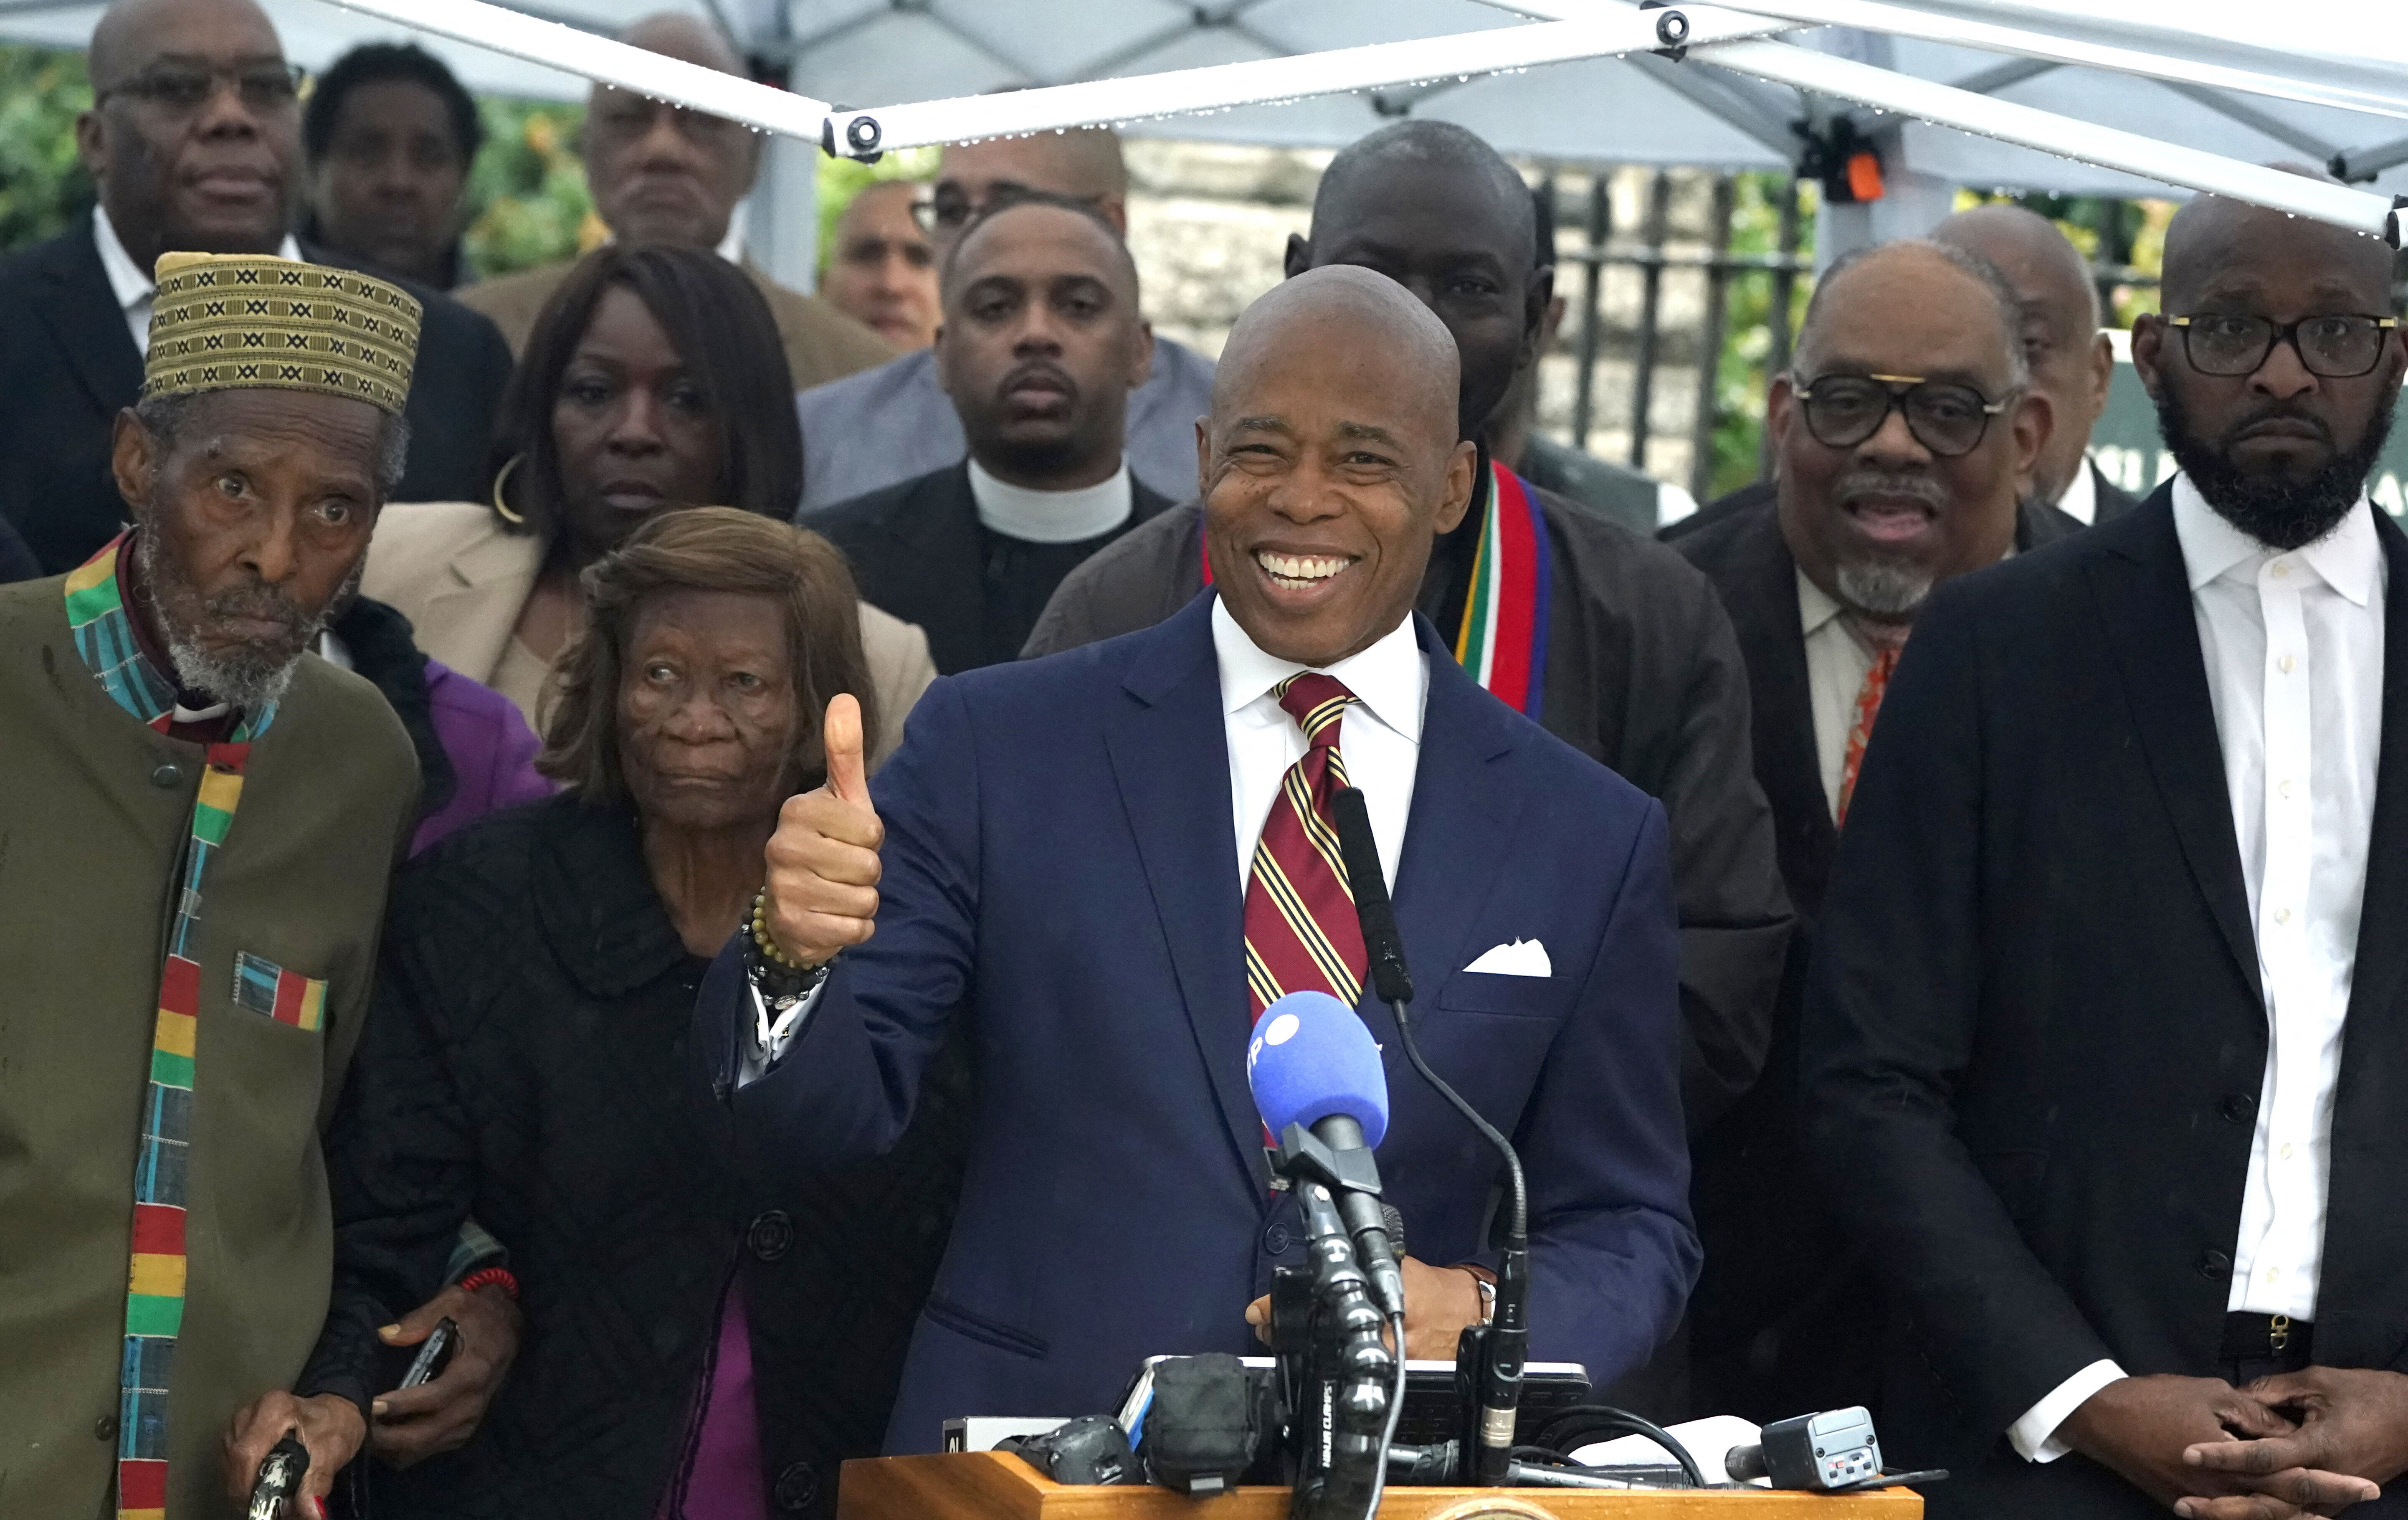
(1052, 517)
(2349, 558)
(1390, 678)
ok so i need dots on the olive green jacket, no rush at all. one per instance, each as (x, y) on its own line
(94, 807)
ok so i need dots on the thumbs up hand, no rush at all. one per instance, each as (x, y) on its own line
(822, 860)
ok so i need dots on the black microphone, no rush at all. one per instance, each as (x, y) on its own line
(1501, 1345)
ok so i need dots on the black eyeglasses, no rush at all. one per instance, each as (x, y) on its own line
(1948, 419)
(2336, 348)
(264, 86)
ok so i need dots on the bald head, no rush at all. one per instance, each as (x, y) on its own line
(212, 176)
(1415, 356)
(660, 173)
(1331, 461)
(2071, 361)
(684, 36)
(1435, 209)
(2212, 240)
(1082, 164)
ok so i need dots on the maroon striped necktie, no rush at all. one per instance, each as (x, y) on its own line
(1302, 932)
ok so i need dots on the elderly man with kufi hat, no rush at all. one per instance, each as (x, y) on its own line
(197, 820)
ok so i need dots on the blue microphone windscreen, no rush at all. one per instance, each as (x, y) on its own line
(1311, 1057)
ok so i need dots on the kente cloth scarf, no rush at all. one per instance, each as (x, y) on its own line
(154, 1297)
(1502, 642)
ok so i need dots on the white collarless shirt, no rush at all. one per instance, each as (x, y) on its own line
(133, 285)
(1379, 737)
(2293, 645)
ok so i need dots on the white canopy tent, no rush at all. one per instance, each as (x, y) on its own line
(2329, 87)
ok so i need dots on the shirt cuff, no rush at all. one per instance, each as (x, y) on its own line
(2034, 1436)
(769, 1033)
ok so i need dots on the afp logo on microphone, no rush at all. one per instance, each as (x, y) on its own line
(1278, 1029)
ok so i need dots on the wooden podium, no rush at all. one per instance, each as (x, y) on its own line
(995, 1485)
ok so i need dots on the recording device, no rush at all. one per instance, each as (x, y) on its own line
(1090, 1450)
(1834, 1452)
(1203, 1425)
(1317, 1082)
(280, 1472)
(434, 1354)
(1489, 1357)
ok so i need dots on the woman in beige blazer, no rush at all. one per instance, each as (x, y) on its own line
(654, 380)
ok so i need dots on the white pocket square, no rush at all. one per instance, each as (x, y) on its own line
(1523, 957)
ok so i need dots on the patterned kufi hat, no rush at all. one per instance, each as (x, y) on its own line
(225, 322)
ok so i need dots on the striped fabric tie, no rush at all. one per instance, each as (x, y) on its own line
(1301, 933)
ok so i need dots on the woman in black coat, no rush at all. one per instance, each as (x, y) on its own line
(693, 1345)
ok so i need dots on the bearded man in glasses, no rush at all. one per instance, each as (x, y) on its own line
(2105, 1027)
(1907, 433)
(193, 139)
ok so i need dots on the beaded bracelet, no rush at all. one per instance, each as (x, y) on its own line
(492, 1277)
(761, 941)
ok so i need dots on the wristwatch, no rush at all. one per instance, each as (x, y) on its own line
(1487, 1296)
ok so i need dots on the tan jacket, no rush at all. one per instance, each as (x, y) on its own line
(462, 581)
(95, 817)
(822, 343)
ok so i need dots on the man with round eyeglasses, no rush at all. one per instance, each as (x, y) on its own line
(2105, 1024)
(1906, 433)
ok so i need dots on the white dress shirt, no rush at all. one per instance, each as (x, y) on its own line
(2080, 499)
(1052, 517)
(2293, 645)
(1380, 739)
(133, 285)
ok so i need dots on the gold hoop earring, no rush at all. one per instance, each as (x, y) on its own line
(499, 504)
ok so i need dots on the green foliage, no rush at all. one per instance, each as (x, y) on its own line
(1741, 376)
(527, 189)
(839, 180)
(42, 187)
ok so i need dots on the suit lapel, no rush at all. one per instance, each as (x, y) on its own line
(2143, 593)
(937, 539)
(83, 316)
(1461, 825)
(2362, 1295)
(1170, 755)
(1772, 643)
(476, 612)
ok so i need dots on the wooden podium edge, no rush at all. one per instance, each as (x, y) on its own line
(995, 1485)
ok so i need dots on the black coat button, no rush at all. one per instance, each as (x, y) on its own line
(1275, 1240)
(798, 1483)
(771, 1235)
(2239, 1107)
(2214, 1264)
(167, 775)
(105, 1428)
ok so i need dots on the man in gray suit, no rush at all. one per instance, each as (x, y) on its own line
(901, 405)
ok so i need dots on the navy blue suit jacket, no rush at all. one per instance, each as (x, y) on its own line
(1060, 872)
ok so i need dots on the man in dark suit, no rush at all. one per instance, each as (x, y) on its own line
(2105, 1029)
(1623, 651)
(1061, 869)
(193, 138)
(1823, 574)
(1042, 344)
(2071, 361)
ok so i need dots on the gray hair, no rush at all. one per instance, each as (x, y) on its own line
(2011, 310)
(167, 417)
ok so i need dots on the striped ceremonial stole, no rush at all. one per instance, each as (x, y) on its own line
(1503, 643)
(155, 1298)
